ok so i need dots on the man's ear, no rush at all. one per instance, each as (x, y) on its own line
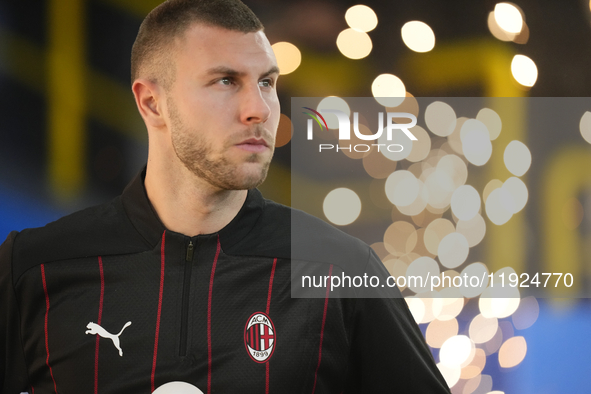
(149, 99)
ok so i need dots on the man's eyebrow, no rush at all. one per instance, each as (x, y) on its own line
(272, 70)
(229, 71)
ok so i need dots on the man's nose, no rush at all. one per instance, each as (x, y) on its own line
(254, 108)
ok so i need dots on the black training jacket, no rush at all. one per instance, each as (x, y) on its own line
(107, 300)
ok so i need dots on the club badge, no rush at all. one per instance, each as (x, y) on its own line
(259, 337)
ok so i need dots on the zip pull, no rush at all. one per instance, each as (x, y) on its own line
(189, 256)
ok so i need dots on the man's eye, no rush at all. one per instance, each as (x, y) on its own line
(266, 83)
(226, 81)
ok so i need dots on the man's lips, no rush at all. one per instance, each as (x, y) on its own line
(256, 145)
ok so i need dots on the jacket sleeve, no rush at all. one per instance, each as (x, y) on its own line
(388, 350)
(13, 372)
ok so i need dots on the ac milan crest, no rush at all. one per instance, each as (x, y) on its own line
(259, 337)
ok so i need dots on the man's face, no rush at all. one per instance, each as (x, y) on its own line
(223, 106)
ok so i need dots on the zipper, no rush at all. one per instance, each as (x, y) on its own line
(185, 299)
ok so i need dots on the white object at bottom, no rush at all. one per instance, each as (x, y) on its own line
(177, 388)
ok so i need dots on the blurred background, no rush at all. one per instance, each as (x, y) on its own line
(71, 137)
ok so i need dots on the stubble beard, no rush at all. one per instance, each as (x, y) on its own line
(196, 154)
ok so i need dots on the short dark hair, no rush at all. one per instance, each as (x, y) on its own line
(156, 37)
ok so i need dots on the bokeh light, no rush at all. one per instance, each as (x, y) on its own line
(527, 313)
(450, 374)
(508, 17)
(284, 131)
(388, 90)
(585, 126)
(400, 238)
(476, 144)
(439, 331)
(342, 206)
(435, 232)
(456, 351)
(512, 352)
(517, 158)
(440, 118)
(288, 57)
(492, 121)
(453, 250)
(421, 147)
(418, 36)
(496, 30)
(422, 267)
(402, 188)
(524, 70)
(473, 229)
(361, 18)
(515, 195)
(483, 329)
(465, 202)
(354, 44)
(473, 288)
(333, 102)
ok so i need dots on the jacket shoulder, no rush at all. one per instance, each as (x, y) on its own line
(95, 231)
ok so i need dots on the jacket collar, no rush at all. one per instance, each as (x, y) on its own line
(144, 218)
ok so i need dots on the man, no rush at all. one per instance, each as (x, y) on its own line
(187, 275)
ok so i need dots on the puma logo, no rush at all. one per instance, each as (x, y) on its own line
(95, 329)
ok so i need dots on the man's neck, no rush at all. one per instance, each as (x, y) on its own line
(188, 205)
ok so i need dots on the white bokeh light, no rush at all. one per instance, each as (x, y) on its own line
(524, 70)
(516, 195)
(585, 126)
(508, 17)
(517, 158)
(333, 102)
(492, 121)
(456, 351)
(453, 250)
(402, 188)
(418, 36)
(440, 118)
(388, 90)
(342, 206)
(361, 18)
(476, 143)
(354, 44)
(465, 202)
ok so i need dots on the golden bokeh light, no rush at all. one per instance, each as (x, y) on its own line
(454, 139)
(476, 365)
(490, 186)
(435, 232)
(354, 44)
(516, 195)
(483, 329)
(418, 36)
(421, 147)
(361, 18)
(284, 131)
(512, 352)
(473, 229)
(439, 331)
(288, 57)
(572, 213)
(342, 206)
(492, 121)
(440, 118)
(378, 166)
(400, 238)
